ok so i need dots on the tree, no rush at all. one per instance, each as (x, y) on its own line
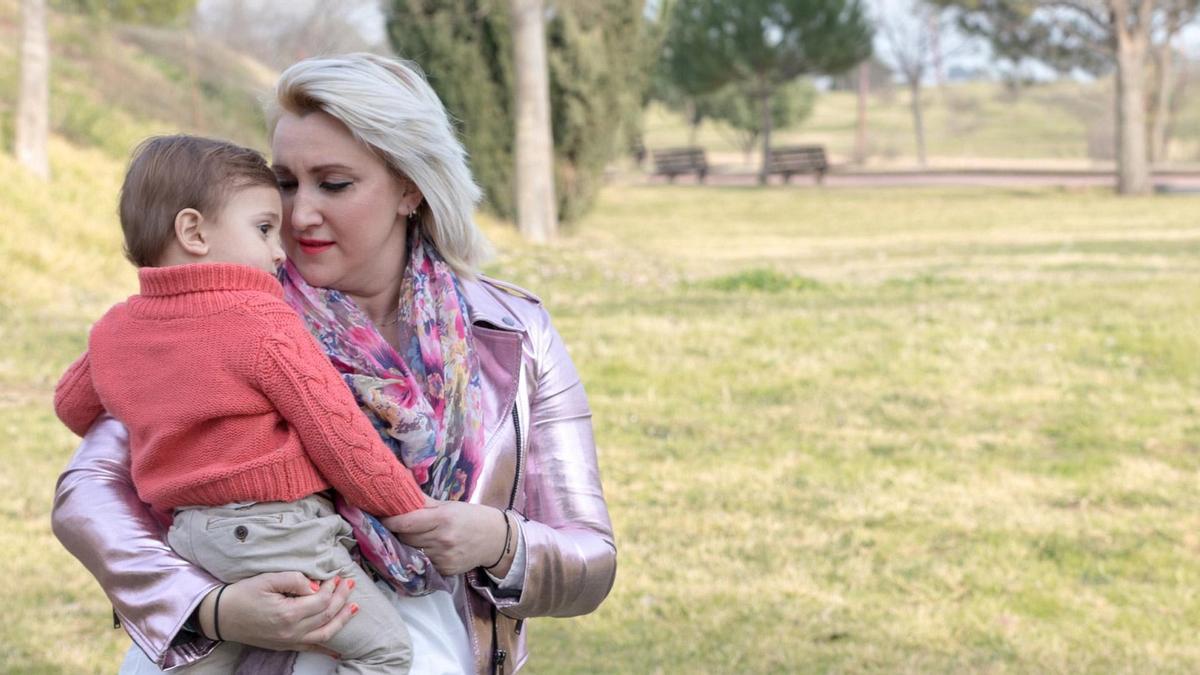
(763, 44)
(862, 91)
(33, 105)
(734, 106)
(912, 45)
(598, 55)
(1164, 102)
(279, 34)
(536, 216)
(1093, 34)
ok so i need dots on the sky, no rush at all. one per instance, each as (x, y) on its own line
(959, 52)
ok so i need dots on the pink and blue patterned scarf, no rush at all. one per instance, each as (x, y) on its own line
(426, 402)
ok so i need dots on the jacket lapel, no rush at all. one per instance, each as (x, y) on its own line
(498, 336)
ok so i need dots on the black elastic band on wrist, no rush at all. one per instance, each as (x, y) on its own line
(217, 614)
(507, 536)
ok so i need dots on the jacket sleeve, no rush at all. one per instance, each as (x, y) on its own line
(298, 379)
(98, 518)
(75, 399)
(570, 555)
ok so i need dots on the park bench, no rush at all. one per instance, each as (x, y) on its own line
(796, 159)
(675, 161)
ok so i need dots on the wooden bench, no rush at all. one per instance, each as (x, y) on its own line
(794, 159)
(676, 161)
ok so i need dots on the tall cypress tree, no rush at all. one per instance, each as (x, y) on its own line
(598, 60)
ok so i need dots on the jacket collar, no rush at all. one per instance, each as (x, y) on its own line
(486, 307)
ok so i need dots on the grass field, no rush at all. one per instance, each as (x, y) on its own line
(841, 431)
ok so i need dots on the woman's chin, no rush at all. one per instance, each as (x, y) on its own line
(314, 273)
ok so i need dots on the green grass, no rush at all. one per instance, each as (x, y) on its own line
(840, 431)
(886, 431)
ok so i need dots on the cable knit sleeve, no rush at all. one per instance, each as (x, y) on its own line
(75, 399)
(297, 377)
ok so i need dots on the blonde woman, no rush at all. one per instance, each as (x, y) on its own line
(464, 377)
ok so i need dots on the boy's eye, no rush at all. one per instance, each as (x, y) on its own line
(265, 228)
(335, 186)
(287, 185)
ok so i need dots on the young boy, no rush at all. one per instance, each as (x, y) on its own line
(236, 418)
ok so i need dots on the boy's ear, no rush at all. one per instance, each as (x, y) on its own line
(189, 233)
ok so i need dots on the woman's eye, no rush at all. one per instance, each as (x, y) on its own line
(335, 186)
(265, 228)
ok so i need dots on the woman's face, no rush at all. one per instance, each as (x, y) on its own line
(344, 211)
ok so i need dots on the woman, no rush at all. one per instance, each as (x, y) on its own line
(378, 205)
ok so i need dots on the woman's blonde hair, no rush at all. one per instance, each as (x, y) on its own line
(387, 105)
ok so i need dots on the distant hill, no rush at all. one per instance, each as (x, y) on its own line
(112, 85)
(1066, 124)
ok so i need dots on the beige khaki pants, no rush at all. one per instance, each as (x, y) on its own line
(238, 541)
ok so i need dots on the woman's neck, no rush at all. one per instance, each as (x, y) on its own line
(379, 307)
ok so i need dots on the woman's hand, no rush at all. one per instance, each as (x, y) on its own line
(284, 611)
(457, 536)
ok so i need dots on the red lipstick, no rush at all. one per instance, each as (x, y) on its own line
(314, 246)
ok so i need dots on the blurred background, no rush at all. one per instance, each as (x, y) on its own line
(886, 309)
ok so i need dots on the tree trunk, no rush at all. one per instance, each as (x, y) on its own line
(860, 129)
(1133, 171)
(935, 48)
(33, 107)
(193, 80)
(1164, 73)
(914, 87)
(537, 217)
(765, 102)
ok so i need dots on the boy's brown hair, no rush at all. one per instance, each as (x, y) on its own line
(170, 173)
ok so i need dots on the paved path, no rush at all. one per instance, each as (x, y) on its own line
(1163, 181)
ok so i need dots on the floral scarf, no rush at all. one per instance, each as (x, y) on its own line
(425, 402)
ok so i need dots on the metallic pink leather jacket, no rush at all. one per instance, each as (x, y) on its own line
(543, 467)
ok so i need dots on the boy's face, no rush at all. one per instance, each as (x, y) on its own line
(246, 231)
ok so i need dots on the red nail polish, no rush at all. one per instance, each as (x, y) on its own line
(350, 584)
(336, 581)
(315, 586)
(353, 609)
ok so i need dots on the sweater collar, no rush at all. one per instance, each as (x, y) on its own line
(202, 277)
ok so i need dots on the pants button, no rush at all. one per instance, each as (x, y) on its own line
(240, 532)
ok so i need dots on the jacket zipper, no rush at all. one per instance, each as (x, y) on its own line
(500, 656)
(512, 497)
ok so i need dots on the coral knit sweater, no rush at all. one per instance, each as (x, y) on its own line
(227, 397)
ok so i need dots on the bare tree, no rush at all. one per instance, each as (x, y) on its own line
(1174, 16)
(860, 128)
(280, 34)
(537, 218)
(1094, 35)
(33, 106)
(910, 34)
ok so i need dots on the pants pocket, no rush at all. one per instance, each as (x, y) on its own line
(236, 547)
